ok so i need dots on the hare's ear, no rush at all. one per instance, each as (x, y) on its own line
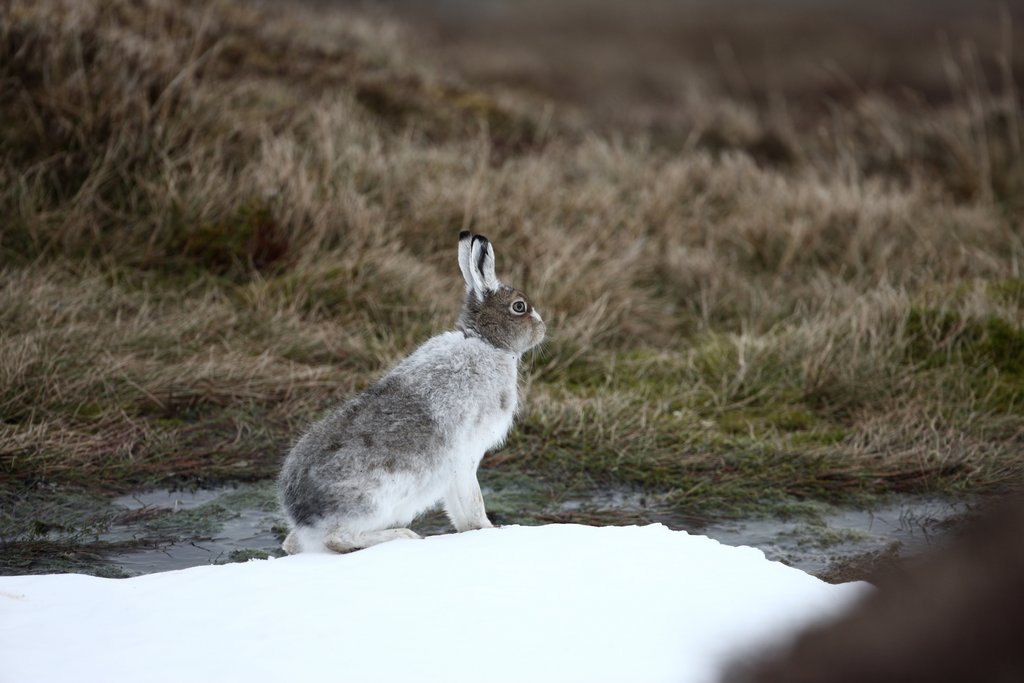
(481, 267)
(465, 251)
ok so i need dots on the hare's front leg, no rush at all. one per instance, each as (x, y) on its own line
(465, 504)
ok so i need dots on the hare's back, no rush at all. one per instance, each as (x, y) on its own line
(389, 426)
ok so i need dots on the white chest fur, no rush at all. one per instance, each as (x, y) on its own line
(471, 388)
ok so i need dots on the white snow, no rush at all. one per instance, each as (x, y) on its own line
(553, 603)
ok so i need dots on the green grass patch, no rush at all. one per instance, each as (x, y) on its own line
(984, 356)
(938, 338)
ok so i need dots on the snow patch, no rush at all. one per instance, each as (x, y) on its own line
(552, 603)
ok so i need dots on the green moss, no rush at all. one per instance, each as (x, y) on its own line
(246, 554)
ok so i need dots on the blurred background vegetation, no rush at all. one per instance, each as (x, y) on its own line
(779, 249)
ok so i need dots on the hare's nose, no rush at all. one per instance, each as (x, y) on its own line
(535, 315)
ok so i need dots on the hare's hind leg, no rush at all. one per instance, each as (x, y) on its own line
(342, 540)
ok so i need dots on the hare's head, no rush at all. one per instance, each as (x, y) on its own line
(497, 313)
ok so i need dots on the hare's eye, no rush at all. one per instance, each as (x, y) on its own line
(519, 307)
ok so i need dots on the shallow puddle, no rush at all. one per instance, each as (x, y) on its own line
(824, 540)
(902, 528)
(179, 529)
(210, 526)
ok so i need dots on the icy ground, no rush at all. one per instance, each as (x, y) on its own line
(553, 603)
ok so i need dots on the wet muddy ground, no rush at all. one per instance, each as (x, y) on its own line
(163, 530)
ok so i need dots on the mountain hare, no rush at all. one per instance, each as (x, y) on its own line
(361, 474)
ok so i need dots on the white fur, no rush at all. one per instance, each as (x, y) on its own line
(480, 277)
(465, 245)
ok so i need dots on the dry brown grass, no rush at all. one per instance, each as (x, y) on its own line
(218, 218)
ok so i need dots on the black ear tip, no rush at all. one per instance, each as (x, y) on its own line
(465, 235)
(481, 239)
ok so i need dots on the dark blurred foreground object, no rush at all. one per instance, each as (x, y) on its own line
(954, 614)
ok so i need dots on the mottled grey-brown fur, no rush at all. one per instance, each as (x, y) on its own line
(387, 428)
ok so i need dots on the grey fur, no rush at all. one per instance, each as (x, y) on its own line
(387, 428)
(417, 435)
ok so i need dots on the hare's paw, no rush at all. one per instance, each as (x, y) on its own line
(481, 523)
(343, 541)
(403, 533)
(291, 543)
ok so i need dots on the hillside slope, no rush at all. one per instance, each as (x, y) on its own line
(220, 218)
